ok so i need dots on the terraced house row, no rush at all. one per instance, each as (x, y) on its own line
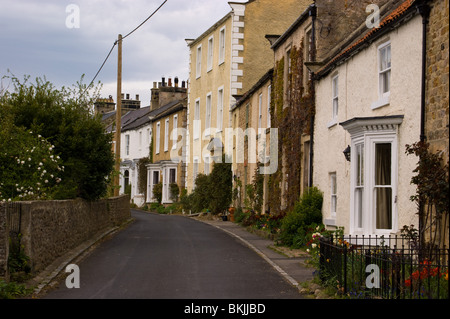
(310, 93)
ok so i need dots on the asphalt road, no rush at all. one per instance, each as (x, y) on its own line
(174, 257)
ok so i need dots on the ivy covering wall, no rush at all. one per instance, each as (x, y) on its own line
(292, 106)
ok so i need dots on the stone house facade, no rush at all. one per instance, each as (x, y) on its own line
(437, 77)
(225, 62)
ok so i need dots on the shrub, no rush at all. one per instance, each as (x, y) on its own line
(174, 191)
(307, 211)
(63, 118)
(212, 192)
(220, 189)
(157, 192)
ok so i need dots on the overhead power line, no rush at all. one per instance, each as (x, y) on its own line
(115, 43)
(145, 20)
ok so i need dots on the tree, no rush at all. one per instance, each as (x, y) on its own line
(63, 117)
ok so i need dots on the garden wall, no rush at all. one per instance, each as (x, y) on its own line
(3, 242)
(49, 229)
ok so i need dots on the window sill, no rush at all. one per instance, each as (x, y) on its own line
(332, 123)
(385, 100)
(330, 221)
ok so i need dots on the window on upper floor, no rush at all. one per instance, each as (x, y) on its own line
(269, 98)
(158, 136)
(385, 68)
(127, 145)
(166, 135)
(197, 120)
(334, 100)
(210, 53)
(384, 75)
(222, 45)
(175, 132)
(198, 69)
(260, 111)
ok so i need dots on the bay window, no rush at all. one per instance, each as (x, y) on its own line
(374, 166)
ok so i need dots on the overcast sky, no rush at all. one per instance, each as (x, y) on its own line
(36, 41)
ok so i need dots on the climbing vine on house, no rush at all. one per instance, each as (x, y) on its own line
(291, 110)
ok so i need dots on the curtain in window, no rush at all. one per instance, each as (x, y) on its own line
(383, 187)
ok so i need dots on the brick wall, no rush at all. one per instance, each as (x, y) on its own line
(437, 96)
(52, 228)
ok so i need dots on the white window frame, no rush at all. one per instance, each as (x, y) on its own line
(220, 95)
(208, 114)
(333, 195)
(370, 133)
(127, 144)
(269, 100)
(222, 45)
(210, 53)
(197, 119)
(260, 98)
(158, 137)
(198, 62)
(334, 100)
(166, 135)
(175, 132)
(383, 97)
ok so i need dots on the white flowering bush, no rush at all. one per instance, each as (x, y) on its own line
(29, 168)
(52, 122)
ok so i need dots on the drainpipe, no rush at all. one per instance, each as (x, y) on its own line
(424, 9)
(313, 14)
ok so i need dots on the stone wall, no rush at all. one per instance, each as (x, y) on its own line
(437, 96)
(3, 242)
(52, 228)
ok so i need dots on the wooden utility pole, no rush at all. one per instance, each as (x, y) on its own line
(118, 115)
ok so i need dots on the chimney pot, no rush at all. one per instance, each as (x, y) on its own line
(137, 97)
(183, 84)
(128, 96)
(170, 82)
(163, 81)
(176, 81)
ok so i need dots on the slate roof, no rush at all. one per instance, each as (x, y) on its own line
(137, 118)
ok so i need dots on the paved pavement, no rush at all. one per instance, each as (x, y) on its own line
(293, 269)
(160, 256)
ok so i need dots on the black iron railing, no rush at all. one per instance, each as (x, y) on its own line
(384, 267)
